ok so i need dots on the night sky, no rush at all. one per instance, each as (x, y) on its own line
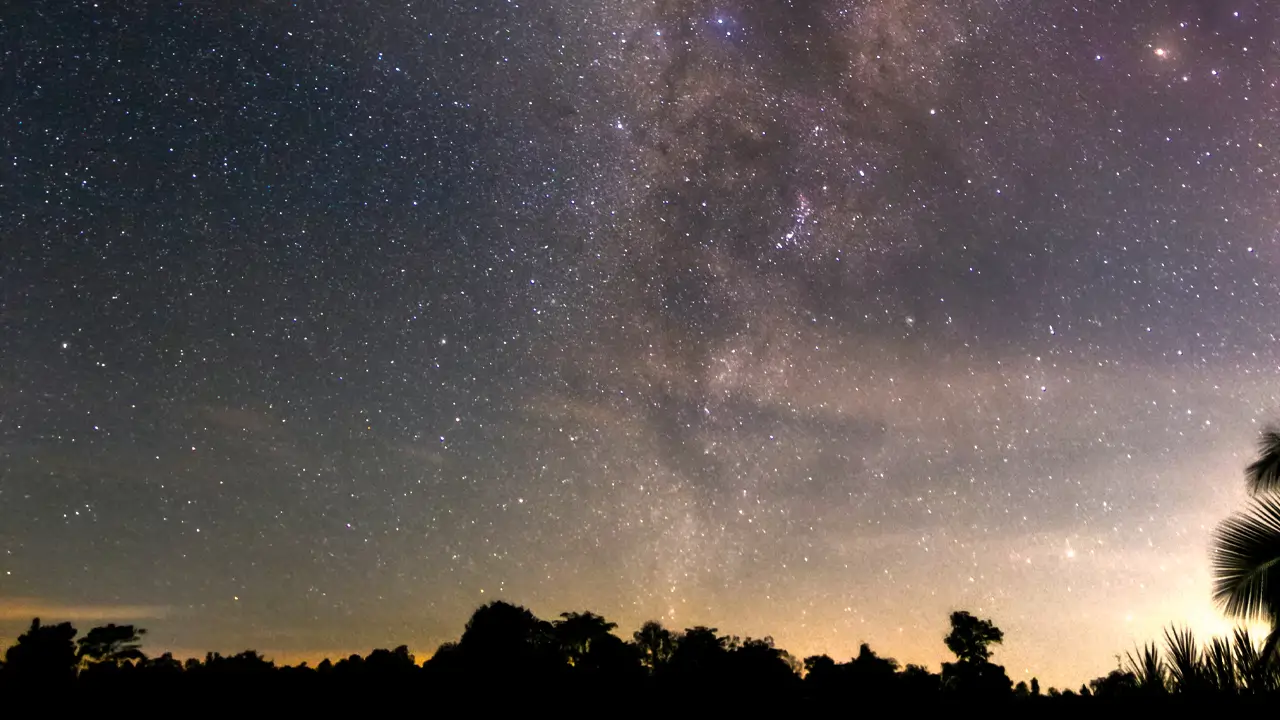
(323, 323)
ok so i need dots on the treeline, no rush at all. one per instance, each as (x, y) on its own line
(508, 656)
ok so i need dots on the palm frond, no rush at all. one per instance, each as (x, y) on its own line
(1148, 667)
(1185, 672)
(1220, 666)
(1269, 658)
(1256, 672)
(1246, 561)
(1263, 474)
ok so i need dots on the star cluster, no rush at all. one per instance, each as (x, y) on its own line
(323, 323)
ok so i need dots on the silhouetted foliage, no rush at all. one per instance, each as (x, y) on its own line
(577, 632)
(43, 654)
(699, 650)
(509, 659)
(971, 639)
(757, 663)
(1263, 474)
(656, 645)
(974, 674)
(1117, 683)
(112, 644)
(166, 664)
(1246, 548)
(382, 664)
(1149, 670)
(506, 645)
(1258, 671)
(1187, 673)
(247, 663)
(983, 679)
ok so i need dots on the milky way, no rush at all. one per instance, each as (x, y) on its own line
(321, 324)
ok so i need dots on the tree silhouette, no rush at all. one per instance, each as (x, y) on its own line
(500, 626)
(758, 663)
(870, 674)
(508, 644)
(43, 654)
(243, 664)
(112, 644)
(577, 632)
(656, 645)
(1116, 684)
(165, 664)
(971, 639)
(385, 663)
(820, 673)
(699, 649)
(1246, 548)
(594, 653)
(509, 659)
(351, 665)
(917, 682)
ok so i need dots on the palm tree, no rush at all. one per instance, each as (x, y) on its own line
(1188, 672)
(1246, 547)
(1254, 670)
(1219, 666)
(1147, 665)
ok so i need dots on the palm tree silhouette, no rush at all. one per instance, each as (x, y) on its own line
(1246, 547)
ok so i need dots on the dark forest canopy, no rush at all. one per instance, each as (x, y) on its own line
(506, 654)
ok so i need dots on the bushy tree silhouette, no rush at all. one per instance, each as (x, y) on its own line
(1115, 684)
(757, 663)
(699, 651)
(578, 632)
(44, 654)
(870, 673)
(974, 674)
(165, 665)
(391, 663)
(656, 643)
(112, 644)
(248, 663)
(971, 639)
(507, 645)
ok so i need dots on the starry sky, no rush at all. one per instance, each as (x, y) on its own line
(322, 323)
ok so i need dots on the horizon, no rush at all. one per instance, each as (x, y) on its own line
(1215, 627)
(322, 325)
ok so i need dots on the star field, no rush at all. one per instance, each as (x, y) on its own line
(323, 323)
